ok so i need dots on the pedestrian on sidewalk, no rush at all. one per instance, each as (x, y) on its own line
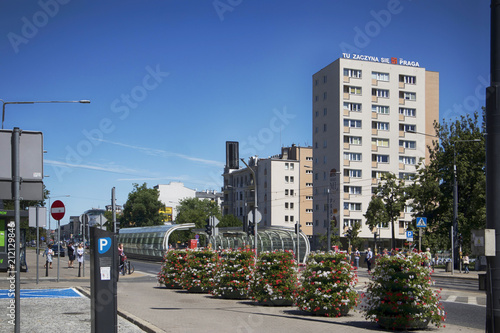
(465, 260)
(71, 255)
(79, 254)
(368, 259)
(427, 260)
(49, 253)
(356, 257)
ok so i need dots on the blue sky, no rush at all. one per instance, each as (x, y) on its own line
(171, 81)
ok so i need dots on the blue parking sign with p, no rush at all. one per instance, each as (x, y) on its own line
(104, 244)
(409, 234)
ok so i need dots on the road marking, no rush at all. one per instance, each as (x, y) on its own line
(472, 300)
(43, 293)
(451, 299)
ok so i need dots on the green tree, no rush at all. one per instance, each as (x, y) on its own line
(108, 215)
(142, 208)
(386, 205)
(197, 211)
(462, 143)
(230, 221)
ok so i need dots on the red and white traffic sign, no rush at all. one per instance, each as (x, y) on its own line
(57, 210)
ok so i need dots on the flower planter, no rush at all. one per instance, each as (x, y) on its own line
(328, 285)
(275, 279)
(199, 269)
(411, 324)
(171, 269)
(233, 274)
(399, 295)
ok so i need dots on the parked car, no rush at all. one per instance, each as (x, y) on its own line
(58, 249)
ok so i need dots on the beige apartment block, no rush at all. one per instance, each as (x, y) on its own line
(370, 116)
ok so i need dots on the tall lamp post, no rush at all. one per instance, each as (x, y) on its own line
(255, 206)
(454, 228)
(85, 101)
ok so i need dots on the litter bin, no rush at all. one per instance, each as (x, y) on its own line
(448, 266)
(482, 281)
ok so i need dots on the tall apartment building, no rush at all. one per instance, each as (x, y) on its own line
(284, 189)
(370, 116)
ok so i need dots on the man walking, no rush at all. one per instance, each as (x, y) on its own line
(368, 259)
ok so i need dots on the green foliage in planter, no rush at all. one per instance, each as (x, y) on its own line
(275, 278)
(199, 270)
(328, 285)
(399, 295)
(233, 274)
(172, 267)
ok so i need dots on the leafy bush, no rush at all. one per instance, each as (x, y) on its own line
(399, 295)
(233, 274)
(328, 285)
(171, 268)
(275, 278)
(199, 270)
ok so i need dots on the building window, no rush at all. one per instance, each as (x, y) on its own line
(352, 90)
(316, 98)
(324, 127)
(353, 173)
(291, 193)
(380, 158)
(378, 174)
(316, 113)
(291, 218)
(309, 197)
(291, 205)
(351, 222)
(286, 166)
(292, 166)
(316, 129)
(352, 140)
(407, 112)
(309, 184)
(352, 123)
(411, 160)
(352, 189)
(380, 76)
(406, 175)
(380, 93)
(408, 79)
(352, 206)
(309, 210)
(286, 218)
(408, 128)
(291, 179)
(380, 125)
(309, 158)
(408, 144)
(309, 172)
(316, 82)
(410, 96)
(356, 107)
(382, 109)
(325, 143)
(286, 179)
(355, 73)
(286, 205)
(380, 142)
(408, 209)
(324, 95)
(286, 193)
(324, 79)
(352, 156)
(325, 112)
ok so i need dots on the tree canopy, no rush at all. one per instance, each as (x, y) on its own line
(142, 208)
(460, 143)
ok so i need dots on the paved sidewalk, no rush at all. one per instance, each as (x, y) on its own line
(144, 306)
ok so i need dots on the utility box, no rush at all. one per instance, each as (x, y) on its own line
(483, 242)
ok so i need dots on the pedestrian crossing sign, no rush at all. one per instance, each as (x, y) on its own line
(421, 222)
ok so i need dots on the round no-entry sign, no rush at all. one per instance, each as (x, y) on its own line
(57, 210)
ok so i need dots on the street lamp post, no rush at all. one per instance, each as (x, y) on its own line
(255, 206)
(454, 228)
(85, 101)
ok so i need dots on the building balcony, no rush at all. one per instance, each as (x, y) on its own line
(401, 150)
(401, 166)
(347, 179)
(401, 117)
(374, 99)
(347, 146)
(346, 96)
(347, 163)
(402, 85)
(374, 147)
(402, 101)
(374, 164)
(346, 112)
(374, 115)
(347, 129)
(401, 134)
(374, 131)
(347, 79)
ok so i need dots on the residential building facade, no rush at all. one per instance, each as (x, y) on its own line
(370, 116)
(284, 189)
